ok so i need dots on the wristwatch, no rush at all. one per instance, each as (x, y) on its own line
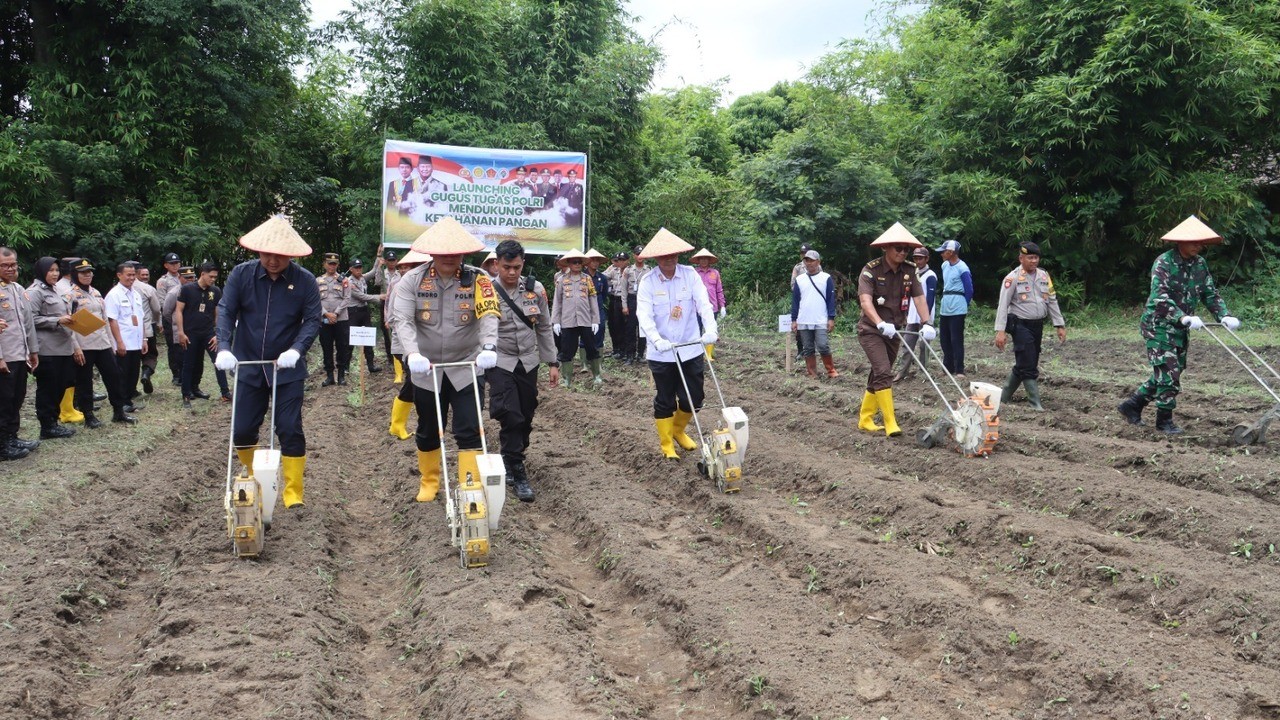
(555, 364)
(488, 346)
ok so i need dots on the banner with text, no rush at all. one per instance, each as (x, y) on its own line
(536, 197)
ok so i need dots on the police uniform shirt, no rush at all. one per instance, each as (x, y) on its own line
(151, 306)
(670, 309)
(268, 317)
(47, 306)
(166, 285)
(335, 293)
(445, 319)
(360, 292)
(199, 308)
(91, 300)
(18, 340)
(170, 305)
(575, 303)
(124, 305)
(1029, 297)
(891, 292)
(614, 275)
(517, 342)
(632, 275)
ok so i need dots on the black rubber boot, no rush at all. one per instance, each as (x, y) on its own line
(342, 377)
(328, 380)
(1011, 384)
(1131, 409)
(1165, 424)
(520, 483)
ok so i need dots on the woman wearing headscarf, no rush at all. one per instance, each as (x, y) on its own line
(59, 350)
(97, 349)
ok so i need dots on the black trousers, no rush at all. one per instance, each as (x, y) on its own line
(1027, 336)
(193, 364)
(359, 317)
(616, 324)
(130, 370)
(105, 362)
(632, 345)
(13, 392)
(386, 336)
(466, 418)
(513, 398)
(173, 351)
(252, 403)
(333, 341)
(572, 337)
(152, 356)
(670, 391)
(951, 335)
(54, 375)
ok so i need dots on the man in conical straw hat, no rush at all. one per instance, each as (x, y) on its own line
(272, 306)
(575, 315)
(594, 259)
(490, 264)
(444, 311)
(703, 260)
(887, 288)
(669, 303)
(1179, 278)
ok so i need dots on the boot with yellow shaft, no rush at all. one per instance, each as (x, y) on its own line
(665, 427)
(866, 416)
(67, 412)
(400, 418)
(292, 468)
(680, 421)
(884, 398)
(429, 472)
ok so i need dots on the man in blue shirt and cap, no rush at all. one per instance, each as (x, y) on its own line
(953, 306)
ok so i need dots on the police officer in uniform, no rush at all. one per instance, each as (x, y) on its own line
(1027, 297)
(617, 301)
(385, 274)
(1179, 278)
(59, 350)
(270, 310)
(402, 403)
(444, 311)
(98, 350)
(631, 277)
(151, 305)
(594, 258)
(19, 354)
(887, 286)
(575, 315)
(164, 287)
(358, 312)
(335, 295)
(525, 340)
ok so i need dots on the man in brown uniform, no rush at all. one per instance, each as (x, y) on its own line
(19, 354)
(886, 288)
(444, 311)
(575, 314)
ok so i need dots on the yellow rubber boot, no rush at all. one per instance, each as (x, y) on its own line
(400, 418)
(246, 457)
(885, 399)
(866, 417)
(291, 468)
(67, 411)
(679, 422)
(665, 427)
(467, 465)
(711, 354)
(429, 469)
(399, 370)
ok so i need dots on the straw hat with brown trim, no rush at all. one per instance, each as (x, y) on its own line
(1192, 230)
(705, 253)
(594, 253)
(896, 235)
(276, 236)
(413, 257)
(491, 257)
(665, 243)
(574, 254)
(447, 237)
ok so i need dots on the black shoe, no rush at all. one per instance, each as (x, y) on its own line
(375, 368)
(186, 403)
(327, 381)
(226, 396)
(99, 397)
(342, 378)
(134, 408)
(147, 387)
(518, 479)
(28, 444)
(92, 422)
(1131, 409)
(56, 431)
(12, 451)
(120, 417)
(1165, 424)
(176, 382)
(200, 394)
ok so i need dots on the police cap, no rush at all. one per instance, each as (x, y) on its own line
(356, 263)
(1026, 247)
(331, 258)
(171, 257)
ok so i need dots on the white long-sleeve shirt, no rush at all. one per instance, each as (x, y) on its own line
(669, 309)
(125, 306)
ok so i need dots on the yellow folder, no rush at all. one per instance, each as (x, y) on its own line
(85, 322)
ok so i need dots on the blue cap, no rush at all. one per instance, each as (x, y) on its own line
(952, 245)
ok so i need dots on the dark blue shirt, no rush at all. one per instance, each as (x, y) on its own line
(602, 291)
(268, 317)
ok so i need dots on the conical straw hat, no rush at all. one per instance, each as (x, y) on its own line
(276, 236)
(665, 243)
(896, 235)
(413, 257)
(447, 237)
(574, 254)
(705, 253)
(491, 256)
(1192, 230)
(594, 253)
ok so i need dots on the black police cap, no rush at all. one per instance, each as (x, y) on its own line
(620, 256)
(356, 263)
(1026, 247)
(171, 257)
(389, 255)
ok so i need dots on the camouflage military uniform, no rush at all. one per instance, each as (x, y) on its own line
(1176, 284)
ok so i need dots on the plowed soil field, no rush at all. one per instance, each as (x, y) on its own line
(1086, 569)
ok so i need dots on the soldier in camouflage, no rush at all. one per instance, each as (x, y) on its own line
(1179, 278)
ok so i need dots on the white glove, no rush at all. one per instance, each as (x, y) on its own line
(225, 361)
(595, 328)
(419, 364)
(556, 328)
(662, 345)
(928, 333)
(709, 337)
(1192, 322)
(288, 358)
(1231, 323)
(723, 311)
(486, 359)
(886, 329)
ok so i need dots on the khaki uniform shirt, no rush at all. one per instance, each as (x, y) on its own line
(166, 285)
(891, 292)
(616, 287)
(335, 294)
(517, 342)
(47, 305)
(445, 319)
(1029, 297)
(151, 305)
(360, 292)
(18, 340)
(632, 276)
(92, 301)
(575, 303)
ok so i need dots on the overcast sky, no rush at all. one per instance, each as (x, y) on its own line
(752, 43)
